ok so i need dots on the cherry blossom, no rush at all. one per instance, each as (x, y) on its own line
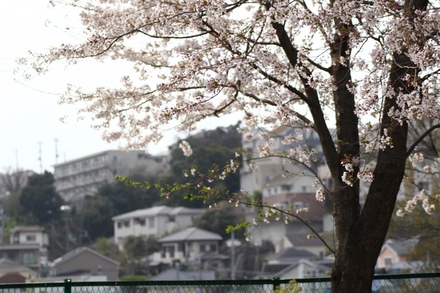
(367, 69)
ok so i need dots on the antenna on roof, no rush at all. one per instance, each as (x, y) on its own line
(56, 151)
(16, 160)
(40, 159)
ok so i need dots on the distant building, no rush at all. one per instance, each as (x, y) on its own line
(255, 179)
(28, 247)
(175, 274)
(83, 176)
(84, 261)
(153, 222)
(188, 246)
(395, 251)
(12, 272)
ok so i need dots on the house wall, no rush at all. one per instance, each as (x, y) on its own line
(172, 252)
(34, 237)
(162, 224)
(384, 254)
(88, 261)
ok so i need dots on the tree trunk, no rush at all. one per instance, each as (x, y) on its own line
(360, 238)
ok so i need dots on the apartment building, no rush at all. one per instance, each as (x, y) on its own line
(83, 176)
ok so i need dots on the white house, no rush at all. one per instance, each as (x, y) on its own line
(153, 222)
(188, 245)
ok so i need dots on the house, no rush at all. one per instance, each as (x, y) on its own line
(255, 179)
(291, 255)
(301, 268)
(188, 246)
(286, 193)
(176, 274)
(85, 261)
(394, 251)
(83, 176)
(153, 222)
(303, 242)
(12, 272)
(28, 246)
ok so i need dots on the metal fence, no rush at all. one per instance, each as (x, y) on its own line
(428, 283)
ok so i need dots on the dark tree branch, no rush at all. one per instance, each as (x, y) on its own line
(426, 133)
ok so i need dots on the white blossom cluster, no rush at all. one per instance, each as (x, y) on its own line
(195, 59)
(412, 204)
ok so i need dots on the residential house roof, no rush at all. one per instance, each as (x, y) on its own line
(173, 274)
(289, 254)
(80, 250)
(7, 265)
(301, 240)
(191, 234)
(271, 270)
(157, 210)
(401, 247)
(27, 229)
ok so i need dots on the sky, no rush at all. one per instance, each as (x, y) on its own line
(32, 135)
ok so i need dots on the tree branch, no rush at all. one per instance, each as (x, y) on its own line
(426, 133)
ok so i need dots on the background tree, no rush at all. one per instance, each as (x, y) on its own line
(210, 148)
(95, 217)
(13, 180)
(135, 250)
(40, 199)
(281, 62)
(106, 247)
(218, 219)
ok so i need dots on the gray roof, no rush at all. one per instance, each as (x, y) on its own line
(158, 210)
(173, 274)
(402, 247)
(81, 250)
(7, 265)
(27, 229)
(191, 234)
(290, 253)
(300, 240)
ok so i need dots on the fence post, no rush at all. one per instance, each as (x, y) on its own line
(275, 283)
(67, 285)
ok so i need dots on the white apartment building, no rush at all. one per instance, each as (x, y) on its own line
(153, 222)
(83, 176)
(255, 179)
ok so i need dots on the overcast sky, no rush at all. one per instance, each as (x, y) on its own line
(29, 112)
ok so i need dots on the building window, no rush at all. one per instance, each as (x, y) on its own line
(142, 222)
(388, 262)
(298, 205)
(151, 222)
(171, 218)
(119, 225)
(207, 247)
(29, 258)
(126, 224)
(31, 238)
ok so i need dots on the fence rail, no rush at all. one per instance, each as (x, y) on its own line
(384, 284)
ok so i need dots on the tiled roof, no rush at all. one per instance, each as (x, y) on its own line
(78, 251)
(173, 274)
(191, 234)
(158, 210)
(300, 240)
(402, 247)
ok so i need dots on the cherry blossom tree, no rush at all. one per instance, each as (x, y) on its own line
(320, 64)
